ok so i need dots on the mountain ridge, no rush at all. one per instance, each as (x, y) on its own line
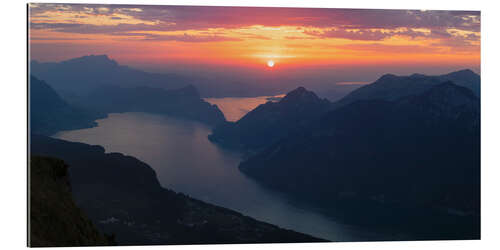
(371, 138)
(81, 75)
(122, 195)
(391, 87)
(49, 113)
(184, 102)
(271, 121)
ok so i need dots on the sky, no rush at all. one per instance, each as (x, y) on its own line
(159, 37)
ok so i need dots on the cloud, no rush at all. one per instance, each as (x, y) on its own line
(81, 28)
(252, 36)
(198, 17)
(352, 24)
(179, 38)
(384, 48)
(191, 38)
(300, 37)
(364, 35)
(58, 38)
(381, 34)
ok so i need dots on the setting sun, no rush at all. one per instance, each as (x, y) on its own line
(270, 63)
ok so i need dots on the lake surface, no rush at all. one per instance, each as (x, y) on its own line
(236, 107)
(186, 161)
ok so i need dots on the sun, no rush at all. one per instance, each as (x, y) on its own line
(270, 63)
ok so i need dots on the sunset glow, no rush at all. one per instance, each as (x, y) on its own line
(251, 36)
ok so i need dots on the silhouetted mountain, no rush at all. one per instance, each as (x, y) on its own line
(465, 78)
(418, 153)
(79, 76)
(121, 195)
(184, 102)
(391, 87)
(49, 113)
(271, 121)
(53, 212)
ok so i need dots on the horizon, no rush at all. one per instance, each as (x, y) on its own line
(246, 72)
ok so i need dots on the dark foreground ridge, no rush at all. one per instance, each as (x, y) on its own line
(122, 196)
(55, 220)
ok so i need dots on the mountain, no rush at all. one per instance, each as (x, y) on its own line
(79, 76)
(275, 120)
(52, 210)
(465, 78)
(413, 154)
(391, 87)
(184, 102)
(122, 196)
(271, 121)
(49, 113)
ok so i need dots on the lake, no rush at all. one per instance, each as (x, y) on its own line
(186, 161)
(236, 107)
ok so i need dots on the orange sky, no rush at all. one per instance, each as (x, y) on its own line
(249, 37)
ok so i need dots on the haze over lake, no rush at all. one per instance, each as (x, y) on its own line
(186, 161)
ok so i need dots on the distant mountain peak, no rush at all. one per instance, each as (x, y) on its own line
(97, 60)
(387, 77)
(299, 89)
(300, 94)
(464, 71)
(103, 56)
